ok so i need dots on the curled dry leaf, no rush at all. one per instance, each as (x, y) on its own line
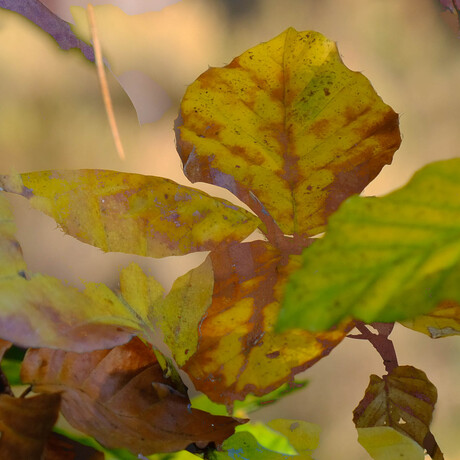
(25, 424)
(288, 129)
(122, 212)
(238, 352)
(403, 400)
(122, 399)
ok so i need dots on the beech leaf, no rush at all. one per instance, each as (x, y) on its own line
(287, 128)
(38, 310)
(385, 443)
(403, 400)
(25, 424)
(443, 321)
(122, 212)
(122, 399)
(383, 259)
(238, 352)
(60, 447)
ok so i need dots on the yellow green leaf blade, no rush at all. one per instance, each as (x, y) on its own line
(385, 443)
(403, 400)
(383, 259)
(286, 124)
(122, 212)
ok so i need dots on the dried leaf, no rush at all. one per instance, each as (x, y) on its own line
(238, 353)
(288, 129)
(145, 215)
(383, 259)
(121, 398)
(25, 424)
(60, 447)
(403, 400)
(443, 321)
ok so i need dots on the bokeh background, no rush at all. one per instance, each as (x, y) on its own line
(52, 117)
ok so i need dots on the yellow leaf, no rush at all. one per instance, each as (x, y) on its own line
(385, 443)
(122, 212)
(288, 129)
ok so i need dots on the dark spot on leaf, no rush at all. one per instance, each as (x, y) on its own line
(326, 91)
(273, 355)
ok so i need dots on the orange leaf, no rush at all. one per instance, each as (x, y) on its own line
(238, 352)
(122, 399)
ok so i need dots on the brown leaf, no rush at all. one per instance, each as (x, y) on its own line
(238, 352)
(61, 448)
(403, 400)
(25, 424)
(122, 399)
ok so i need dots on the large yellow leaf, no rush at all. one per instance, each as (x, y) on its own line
(145, 215)
(288, 129)
(238, 352)
(121, 398)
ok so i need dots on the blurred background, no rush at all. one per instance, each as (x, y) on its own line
(52, 117)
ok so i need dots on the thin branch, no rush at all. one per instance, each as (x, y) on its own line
(103, 82)
(379, 341)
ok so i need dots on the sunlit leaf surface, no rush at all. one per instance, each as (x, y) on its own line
(287, 126)
(404, 400)
(121, 398)
(145, 215)
(25, 424)
(238, 352)
(383, 259)
(443, 321)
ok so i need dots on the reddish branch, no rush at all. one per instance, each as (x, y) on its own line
(379, 341)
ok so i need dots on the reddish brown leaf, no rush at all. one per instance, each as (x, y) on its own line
(122, 399)
(238, 352)
(61, 448)
(25, 424)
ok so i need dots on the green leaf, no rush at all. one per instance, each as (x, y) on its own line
(122, 212)
(288, 129)
(403, 400)
(383, 259)
(303, 436)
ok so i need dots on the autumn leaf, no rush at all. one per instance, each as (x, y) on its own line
(38, 310)
(443, 321)
(288, 129)
(238, 352)
(403, 400)
(60, 447)
(25, 424)
(122, 212)
(383, 259)
(122, 399)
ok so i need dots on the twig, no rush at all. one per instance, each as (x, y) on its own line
(103, 82)
(379, 341)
